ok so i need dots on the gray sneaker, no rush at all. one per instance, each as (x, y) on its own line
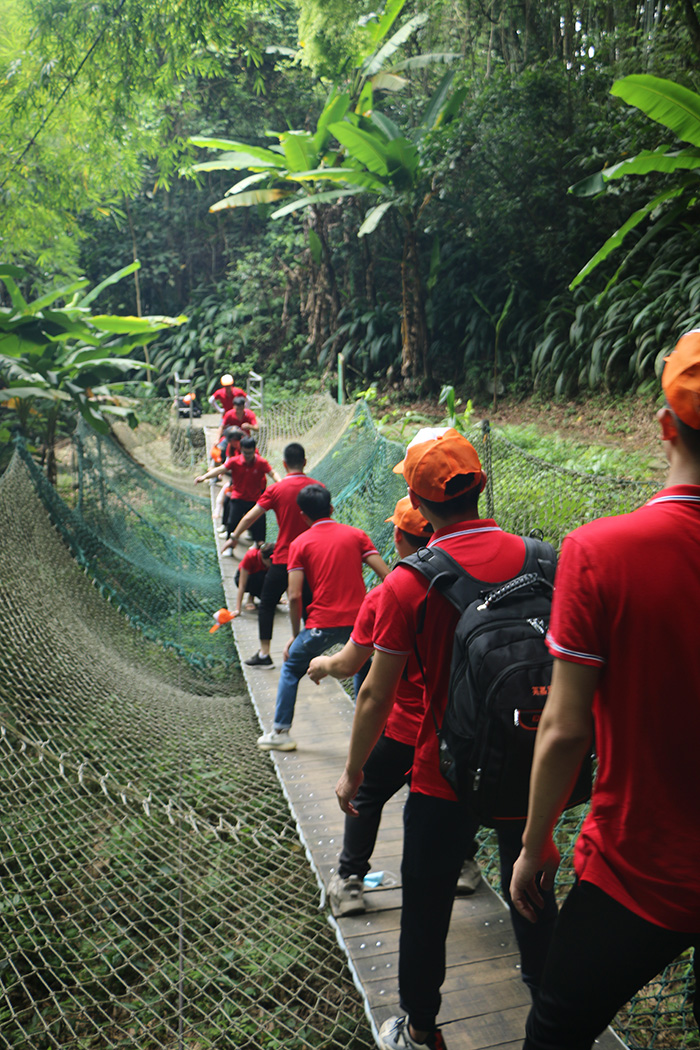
(394, 1035)
(469, 879)
(346, 895)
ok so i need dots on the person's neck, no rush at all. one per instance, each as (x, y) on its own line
(683, 472)
(439, 522)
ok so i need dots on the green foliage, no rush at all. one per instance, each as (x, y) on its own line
(65, 358)
(678, 109)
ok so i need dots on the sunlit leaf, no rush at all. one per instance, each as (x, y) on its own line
(670, 104)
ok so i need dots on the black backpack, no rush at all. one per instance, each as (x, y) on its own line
(499, 680)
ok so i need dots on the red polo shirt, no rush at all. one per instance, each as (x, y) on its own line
(406, 715)
(248, 480)
(626, 601)
(489, 554)
(252, 561)
(225, 395)
(282, 499)
(331, 556)
(231, 419)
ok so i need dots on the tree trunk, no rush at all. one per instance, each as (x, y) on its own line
(414, 326)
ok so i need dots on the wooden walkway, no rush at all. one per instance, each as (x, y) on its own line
(485, 1004)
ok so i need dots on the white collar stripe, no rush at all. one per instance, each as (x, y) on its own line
(464, 532)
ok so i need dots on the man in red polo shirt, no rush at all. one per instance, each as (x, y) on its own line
(282, 499)
(330, 558)
(249, 473)
(444, 478)
(388, 767)
(624, 634)
(222, 399)
(240, 416)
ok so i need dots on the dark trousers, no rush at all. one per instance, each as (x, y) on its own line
(385, 772)
(272, 590)
(255, 582)
(437, 837)
(234, 512)
(601, 955)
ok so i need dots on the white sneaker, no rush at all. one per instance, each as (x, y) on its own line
(277, 740)
(469, 879)
(222, 530)
(228, 553)
(345, 895)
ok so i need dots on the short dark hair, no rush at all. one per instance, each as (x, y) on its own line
(689, 436)
(415, 541)
(248, 441)
(239, 400)
(314, 501)
(466, 501)
(233, 433)
(294, 455)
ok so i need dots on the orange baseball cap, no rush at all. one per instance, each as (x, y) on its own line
(681, 379)
(434, 457)
(410, 520)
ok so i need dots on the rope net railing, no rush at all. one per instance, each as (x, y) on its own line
(155, 893)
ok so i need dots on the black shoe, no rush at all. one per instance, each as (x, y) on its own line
(256, 660)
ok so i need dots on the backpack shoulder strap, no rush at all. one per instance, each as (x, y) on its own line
(447, 575)
(540, 558)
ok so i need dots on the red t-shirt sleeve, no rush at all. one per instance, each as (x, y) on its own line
(366, 545)
(578, 622)
(394, 633)
(363, 630)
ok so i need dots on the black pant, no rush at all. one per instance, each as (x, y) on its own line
(601, 955)
(254, 584)
(234, 512)
(437, 837)
(385, 772)
(273, 588)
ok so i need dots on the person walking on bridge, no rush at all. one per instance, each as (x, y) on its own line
(624, 636)
(282, 499)
(330, 558)
(444, 478)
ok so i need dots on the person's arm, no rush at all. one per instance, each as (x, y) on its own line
(211, 473)
(243, 575)
(246, 521)
(344, 664)
(563, 738)
(213, 400)
(374, 703)
(378, 565)
(295, 590)
(273, 474)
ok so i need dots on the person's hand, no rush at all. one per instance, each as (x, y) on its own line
(317, 669)
(524, 886)
(235, 613)
(346, 789)
(285, 654)
(199, 479)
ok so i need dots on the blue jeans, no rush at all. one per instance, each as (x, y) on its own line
(308, 643)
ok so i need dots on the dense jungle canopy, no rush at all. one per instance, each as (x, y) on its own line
(391, 183)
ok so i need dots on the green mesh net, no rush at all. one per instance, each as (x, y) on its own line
(155, 893)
